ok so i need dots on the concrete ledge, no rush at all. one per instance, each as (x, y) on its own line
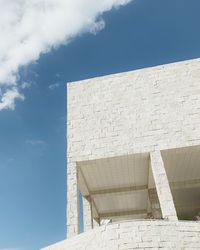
(139, 234)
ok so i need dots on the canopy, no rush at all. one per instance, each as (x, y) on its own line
(116, 186)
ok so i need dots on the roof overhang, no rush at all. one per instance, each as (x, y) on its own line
(116, 186)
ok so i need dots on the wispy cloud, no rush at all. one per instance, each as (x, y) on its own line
(34, 142)
(54, 86)
(29, 28)
(25, 85)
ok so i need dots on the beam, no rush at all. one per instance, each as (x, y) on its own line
(119, 190)
(185, 207)
(185, 184)
(122, 213)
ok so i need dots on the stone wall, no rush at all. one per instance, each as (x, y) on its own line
(138, 111)
(134, 111)
(143, 235)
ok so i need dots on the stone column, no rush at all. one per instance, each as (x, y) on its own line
(72, 201)
(162, 186)
(87, 220)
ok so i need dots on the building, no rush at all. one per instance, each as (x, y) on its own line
(134, 153)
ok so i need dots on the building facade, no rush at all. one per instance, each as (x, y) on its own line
(133, 151)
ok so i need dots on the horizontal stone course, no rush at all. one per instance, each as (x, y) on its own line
(129, 235)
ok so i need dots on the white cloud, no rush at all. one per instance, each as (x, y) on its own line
(54, 86)
(8, 98)
(29, 28)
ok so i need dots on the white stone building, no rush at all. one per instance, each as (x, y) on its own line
(133, 144)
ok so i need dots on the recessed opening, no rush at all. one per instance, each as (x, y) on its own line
(183, 170)
(119, 188)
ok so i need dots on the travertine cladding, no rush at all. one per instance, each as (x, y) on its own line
(134, 111)
(139, 111)
(143, 235)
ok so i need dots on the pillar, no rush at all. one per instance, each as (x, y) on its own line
(162, 186)
(87, 220)
(72, 201)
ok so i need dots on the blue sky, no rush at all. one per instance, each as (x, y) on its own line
(140, 34)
